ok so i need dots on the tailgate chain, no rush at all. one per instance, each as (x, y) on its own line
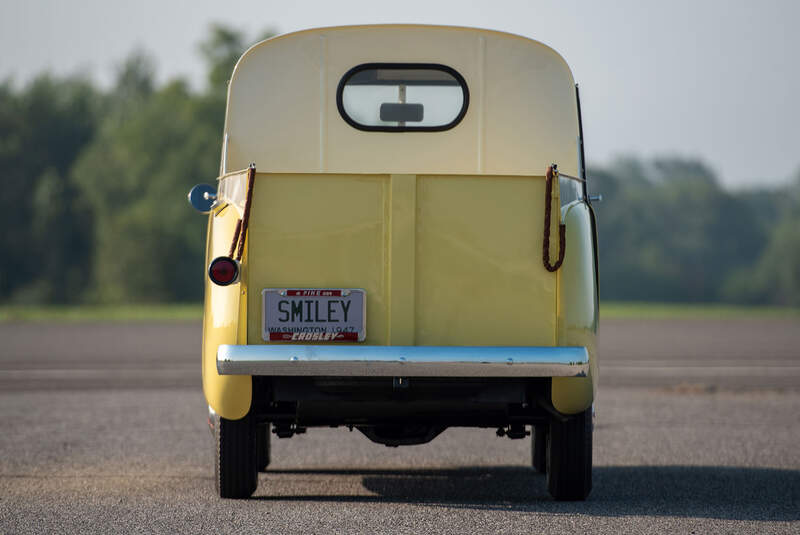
(552, 171)
(240, 233)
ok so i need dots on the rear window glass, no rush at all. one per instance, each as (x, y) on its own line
(396, 97)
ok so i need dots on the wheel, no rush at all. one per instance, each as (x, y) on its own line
(569, 457)
(262, 446)
(539, 448)
(235, 459)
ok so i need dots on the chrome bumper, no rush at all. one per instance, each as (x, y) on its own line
(402, 361)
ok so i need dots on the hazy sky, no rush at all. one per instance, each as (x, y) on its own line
(717, 79)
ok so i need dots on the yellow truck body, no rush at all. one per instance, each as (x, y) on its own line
(443, 229)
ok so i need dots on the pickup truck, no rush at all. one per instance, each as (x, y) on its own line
(401, 241)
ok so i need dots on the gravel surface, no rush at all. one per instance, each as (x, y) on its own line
(110, 452)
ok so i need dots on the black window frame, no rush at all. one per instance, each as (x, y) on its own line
(402, 66)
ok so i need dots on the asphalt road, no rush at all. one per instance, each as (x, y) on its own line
(698, 426)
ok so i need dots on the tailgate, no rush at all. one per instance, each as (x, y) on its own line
(444, 260)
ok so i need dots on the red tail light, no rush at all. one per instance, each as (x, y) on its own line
(223, 271)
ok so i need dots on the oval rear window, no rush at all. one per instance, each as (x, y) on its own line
(402, 97)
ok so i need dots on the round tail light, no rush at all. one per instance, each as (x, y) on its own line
(223, 270)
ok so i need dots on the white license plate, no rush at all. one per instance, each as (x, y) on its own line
(314, 315)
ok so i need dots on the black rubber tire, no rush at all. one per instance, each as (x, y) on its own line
(539, 448)
(569, 457)
(262, 446)
(235, 459)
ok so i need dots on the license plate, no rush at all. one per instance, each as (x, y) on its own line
(314, 315)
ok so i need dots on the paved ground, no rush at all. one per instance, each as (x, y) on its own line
(698, 426)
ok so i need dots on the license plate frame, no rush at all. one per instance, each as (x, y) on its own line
(318, 308)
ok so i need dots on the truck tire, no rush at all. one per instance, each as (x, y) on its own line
(262, 446)
(539, 448)
(235, 459)
(569, 457)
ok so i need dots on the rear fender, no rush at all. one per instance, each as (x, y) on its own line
(224, 322)
(577, 308)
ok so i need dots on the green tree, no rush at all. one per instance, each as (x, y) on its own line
(136, 175)
(47, 234)
(775, 277)
(669, 232)
(221, 51)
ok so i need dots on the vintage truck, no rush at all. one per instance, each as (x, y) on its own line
(401, 241)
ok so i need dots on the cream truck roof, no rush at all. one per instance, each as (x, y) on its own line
(282, 104)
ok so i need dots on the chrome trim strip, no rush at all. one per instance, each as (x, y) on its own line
(402, 361)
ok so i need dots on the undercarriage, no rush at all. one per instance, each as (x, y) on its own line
(401, 411)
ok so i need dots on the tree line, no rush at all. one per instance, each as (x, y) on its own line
(95, 181)
(669, 232)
